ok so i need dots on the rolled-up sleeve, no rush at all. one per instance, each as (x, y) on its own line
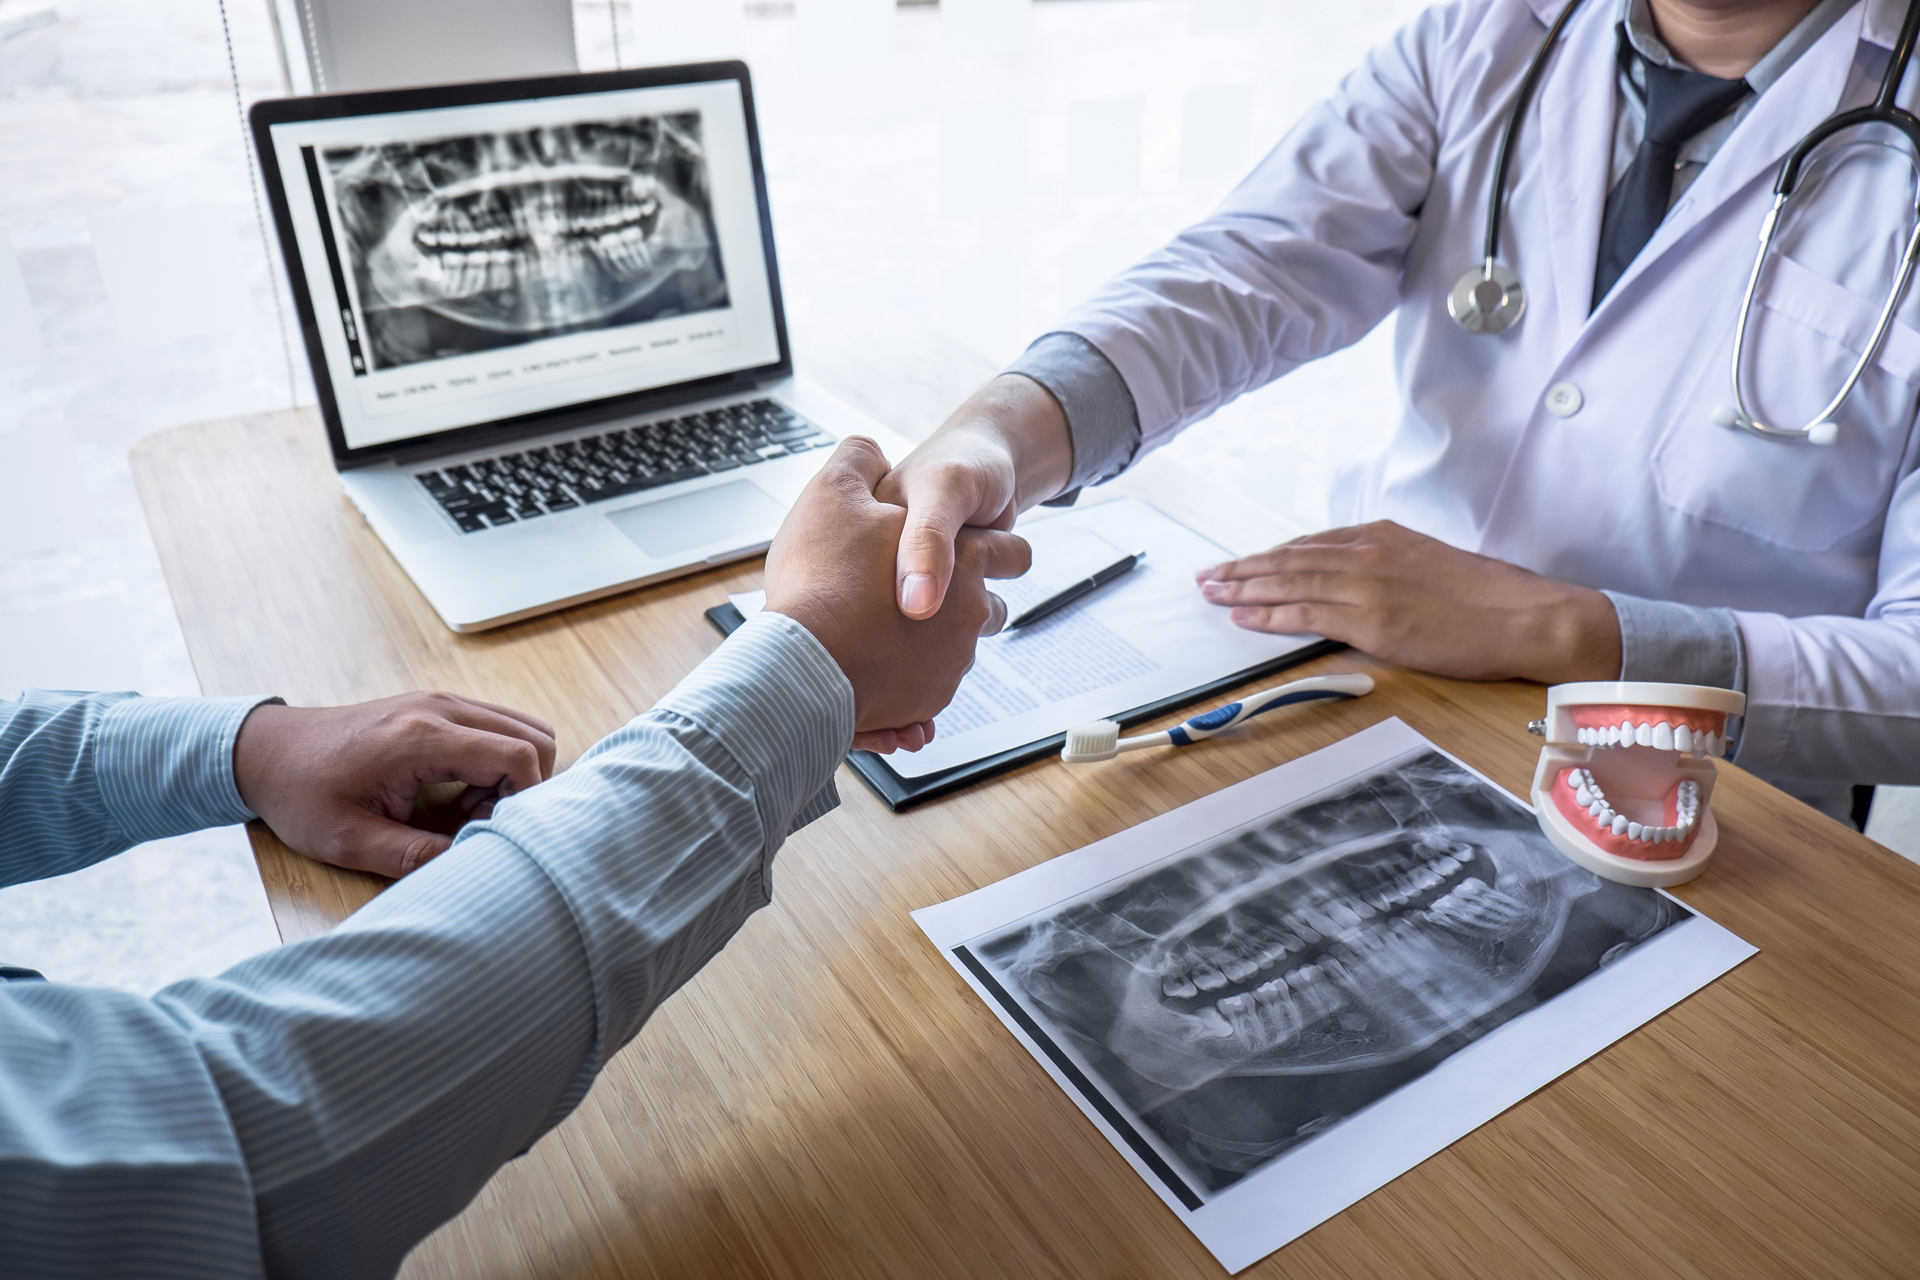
(353, 1091)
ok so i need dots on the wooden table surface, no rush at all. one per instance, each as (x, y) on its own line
(828, 1098)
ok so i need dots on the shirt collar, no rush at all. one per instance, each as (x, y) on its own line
(1636, 17)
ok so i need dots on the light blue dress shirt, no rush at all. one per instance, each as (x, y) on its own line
(317, 1110)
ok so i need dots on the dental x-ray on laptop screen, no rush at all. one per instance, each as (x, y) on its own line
(545, 327)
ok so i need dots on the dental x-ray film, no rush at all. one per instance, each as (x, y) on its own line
(1279, 998)
(469, 243)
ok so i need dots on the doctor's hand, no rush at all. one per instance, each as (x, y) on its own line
(831, 569)
(1005, 449)
(1414, 600)
(356, 785)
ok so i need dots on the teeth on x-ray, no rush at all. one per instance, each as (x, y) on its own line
(1363, 954)
(530, 232)
(1328, 950)
(569, 245)
(1278, 942)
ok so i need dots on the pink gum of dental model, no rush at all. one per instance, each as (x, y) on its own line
(1624, 782)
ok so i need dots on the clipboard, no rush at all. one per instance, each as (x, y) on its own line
(899, 793)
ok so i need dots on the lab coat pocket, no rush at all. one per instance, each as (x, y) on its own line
(1805, 335)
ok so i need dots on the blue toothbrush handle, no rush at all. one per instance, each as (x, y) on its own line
(1312, 689)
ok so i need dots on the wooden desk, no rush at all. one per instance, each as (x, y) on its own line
(827, 1098)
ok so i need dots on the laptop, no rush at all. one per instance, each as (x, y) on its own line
(545, 327)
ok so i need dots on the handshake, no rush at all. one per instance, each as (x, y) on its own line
(345, 784)
(832, 570)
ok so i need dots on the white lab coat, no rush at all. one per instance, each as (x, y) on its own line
(1375, 203)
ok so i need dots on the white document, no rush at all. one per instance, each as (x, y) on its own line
(1148, 636)
(1281, 997)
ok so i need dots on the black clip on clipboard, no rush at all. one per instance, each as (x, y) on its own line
(899, 793)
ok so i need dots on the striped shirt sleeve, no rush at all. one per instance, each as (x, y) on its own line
(84, 776)
(366, 1083)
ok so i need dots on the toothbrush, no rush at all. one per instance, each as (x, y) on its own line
(1101, 740)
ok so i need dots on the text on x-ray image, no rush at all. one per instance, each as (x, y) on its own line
(470, 243)
(1246, 995)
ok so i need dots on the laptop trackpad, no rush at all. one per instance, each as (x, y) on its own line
(740, 511)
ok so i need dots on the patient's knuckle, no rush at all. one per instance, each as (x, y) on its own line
(417, 723)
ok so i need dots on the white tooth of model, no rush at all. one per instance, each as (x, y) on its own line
(1626, 792)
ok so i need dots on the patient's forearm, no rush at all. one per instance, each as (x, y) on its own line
(343, 1096)
(84, 776)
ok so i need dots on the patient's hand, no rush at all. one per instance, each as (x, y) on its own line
(340, 783)
(1414, 600)
(831, 569)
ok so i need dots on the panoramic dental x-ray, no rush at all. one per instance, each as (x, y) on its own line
(469, 243)
(1242, 996)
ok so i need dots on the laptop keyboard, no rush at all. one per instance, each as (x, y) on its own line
(558, 477)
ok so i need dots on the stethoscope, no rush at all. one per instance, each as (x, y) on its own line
(1490, 299)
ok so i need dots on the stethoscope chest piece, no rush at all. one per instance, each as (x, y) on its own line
(1487, 299)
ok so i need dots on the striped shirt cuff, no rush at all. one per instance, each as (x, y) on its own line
(779, 702)
(165, 765)
(1101, 417)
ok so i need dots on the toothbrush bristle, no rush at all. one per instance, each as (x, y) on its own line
(1089, 742)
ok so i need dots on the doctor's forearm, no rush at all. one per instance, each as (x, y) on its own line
(1022, 417)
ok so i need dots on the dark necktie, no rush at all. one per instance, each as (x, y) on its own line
(1679, 105)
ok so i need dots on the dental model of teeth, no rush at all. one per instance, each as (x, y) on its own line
(1623, 785)
(1588, 795)
(1661, 737)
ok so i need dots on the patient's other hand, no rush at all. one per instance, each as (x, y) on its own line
(831, 569)
(340, 783)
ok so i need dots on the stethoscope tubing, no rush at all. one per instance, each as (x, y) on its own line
(1503, 158)
(1821, 429)
(1492, 299)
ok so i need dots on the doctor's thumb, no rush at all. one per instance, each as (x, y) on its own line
(925, 568)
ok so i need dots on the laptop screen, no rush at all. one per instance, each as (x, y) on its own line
(468, 264)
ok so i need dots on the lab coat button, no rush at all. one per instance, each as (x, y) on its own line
(1564, 400)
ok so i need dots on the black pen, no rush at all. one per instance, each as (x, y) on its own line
(1061, 599)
